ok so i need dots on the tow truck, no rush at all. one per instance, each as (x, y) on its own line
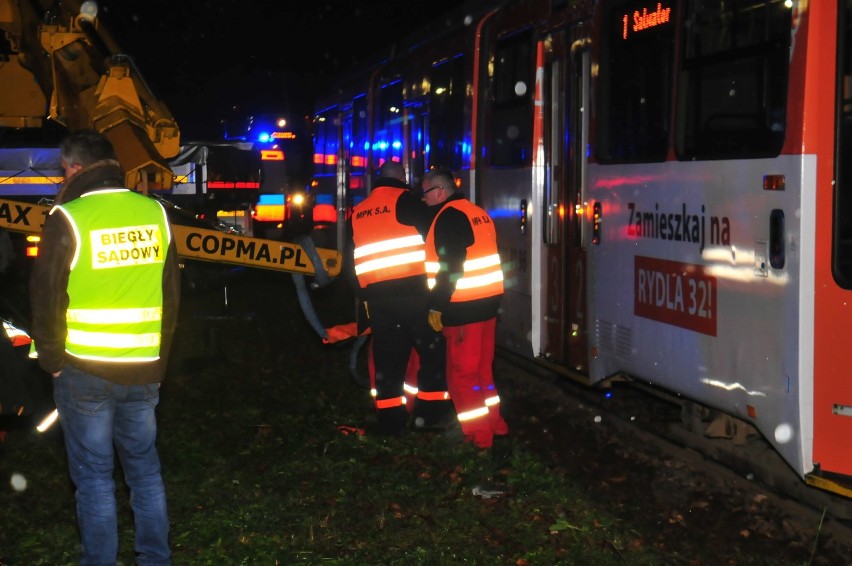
(62, 71)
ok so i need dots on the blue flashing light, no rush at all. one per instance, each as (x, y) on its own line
(396, 145)
(496, 213)
(263, 137)
(608, 395)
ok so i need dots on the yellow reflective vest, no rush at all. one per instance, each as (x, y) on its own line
(115, 285)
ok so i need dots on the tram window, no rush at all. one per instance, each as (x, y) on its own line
(513, 84)
(842, 248)
(358, 143)
(733, 79)
(446, 114)
(325, 143)
(387, 139)
(635, 82)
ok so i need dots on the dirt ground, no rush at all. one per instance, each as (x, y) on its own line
(673, 499)
(676, 500)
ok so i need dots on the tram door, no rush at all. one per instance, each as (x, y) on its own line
(416, 132)
(565, 229)
(343, 169)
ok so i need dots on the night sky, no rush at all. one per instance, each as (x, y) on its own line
(204, 58)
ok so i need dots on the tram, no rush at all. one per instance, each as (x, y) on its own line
(671, 183)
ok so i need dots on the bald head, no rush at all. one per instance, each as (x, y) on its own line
(392, 169)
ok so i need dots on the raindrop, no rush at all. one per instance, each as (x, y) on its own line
(783, 433)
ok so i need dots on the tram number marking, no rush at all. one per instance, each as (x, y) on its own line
(680, 294)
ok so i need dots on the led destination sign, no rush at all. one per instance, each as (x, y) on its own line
(644, 20)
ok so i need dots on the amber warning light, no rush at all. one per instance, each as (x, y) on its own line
(774, 182)
(32, 245)
(272, 155)
(645, 20)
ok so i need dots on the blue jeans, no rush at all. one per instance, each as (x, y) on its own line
(99, 419)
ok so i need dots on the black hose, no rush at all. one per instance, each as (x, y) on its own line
(307, 306)
(320, 278)
(353, 361)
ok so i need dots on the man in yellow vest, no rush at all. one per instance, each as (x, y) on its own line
(105, 291)
(466, 280)
(387, 257)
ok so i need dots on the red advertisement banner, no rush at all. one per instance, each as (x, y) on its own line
(675, 293)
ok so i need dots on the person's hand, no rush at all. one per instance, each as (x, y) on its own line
(435, 321)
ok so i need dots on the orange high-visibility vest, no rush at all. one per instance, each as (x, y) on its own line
(482, 276)
(384, 248)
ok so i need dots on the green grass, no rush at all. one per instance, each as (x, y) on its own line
(257, 471)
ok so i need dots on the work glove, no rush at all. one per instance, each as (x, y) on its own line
(435, 321)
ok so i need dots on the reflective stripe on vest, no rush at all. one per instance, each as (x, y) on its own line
(115, 306)
(482, 276)
(384, 248)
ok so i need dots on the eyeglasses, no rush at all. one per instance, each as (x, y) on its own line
(430, 189)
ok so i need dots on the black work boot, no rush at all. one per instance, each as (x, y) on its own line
(390, 422)
(433, 416)
(501, 452)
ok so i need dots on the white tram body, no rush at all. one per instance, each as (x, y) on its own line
(700, 310)
(671, 183)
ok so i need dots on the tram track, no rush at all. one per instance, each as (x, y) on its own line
(651, 424)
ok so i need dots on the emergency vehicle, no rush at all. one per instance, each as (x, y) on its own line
(284, 208)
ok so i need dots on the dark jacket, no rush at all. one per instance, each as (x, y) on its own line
(453, 236)
(49, 283)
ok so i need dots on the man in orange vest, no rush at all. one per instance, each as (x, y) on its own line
(388, 260)
(466, 281)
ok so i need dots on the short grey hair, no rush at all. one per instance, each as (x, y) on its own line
(442, 178)
(392, 169)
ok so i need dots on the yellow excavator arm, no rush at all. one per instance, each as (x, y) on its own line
(198, 243)
(57, 63)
